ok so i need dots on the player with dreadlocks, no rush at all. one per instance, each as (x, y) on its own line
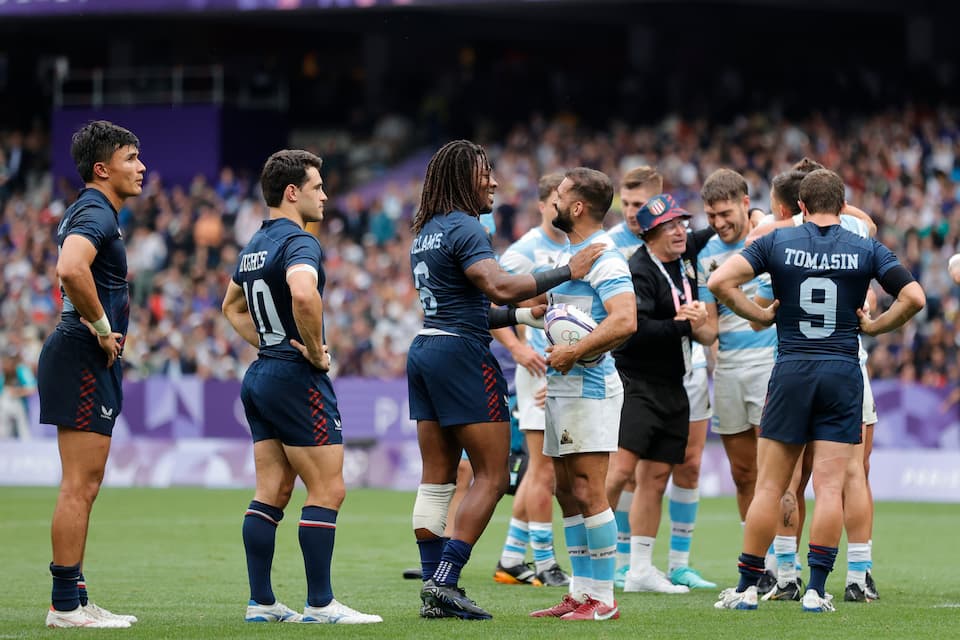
(457, 391)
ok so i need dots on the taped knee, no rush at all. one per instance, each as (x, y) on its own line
(430, 508)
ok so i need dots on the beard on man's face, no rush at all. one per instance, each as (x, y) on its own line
(563, 221)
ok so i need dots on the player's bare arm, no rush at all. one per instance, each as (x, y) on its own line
(764, 229)
(238, 315)
(505, 288)
(308, 314)
(761, 302)
(73, 269)
(910, 300)
(856, 212)
(725, 283)
(620, 324)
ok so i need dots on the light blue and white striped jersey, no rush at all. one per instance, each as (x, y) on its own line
(609, 276)
(626, 241)
(534, 251)
(739, 344)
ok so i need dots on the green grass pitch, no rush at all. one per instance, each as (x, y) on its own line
(174, 557)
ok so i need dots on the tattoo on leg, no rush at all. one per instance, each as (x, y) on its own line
(789, 506)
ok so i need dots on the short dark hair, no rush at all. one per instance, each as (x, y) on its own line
(641, 177)
(822, 192)
(453, 176)
(786, 185)
(595, 187)
(723, 184)
(548, 184)
(283, 168)
(96, 142)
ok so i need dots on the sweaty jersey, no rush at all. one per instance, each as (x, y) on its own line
(439, 256)
(609, 276)
(262, 273)
(533, 252)
(820, 276)
(739, 345)
(93, 217)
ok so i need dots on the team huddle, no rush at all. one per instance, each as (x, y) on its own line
(624, 408)
(610, 419)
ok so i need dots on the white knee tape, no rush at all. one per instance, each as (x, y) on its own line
(430, 508)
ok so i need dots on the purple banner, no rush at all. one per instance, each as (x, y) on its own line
(376, 411)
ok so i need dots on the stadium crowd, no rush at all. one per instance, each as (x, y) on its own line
(901, 166)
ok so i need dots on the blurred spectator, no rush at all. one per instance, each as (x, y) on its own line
(902, 166)
(17, 383)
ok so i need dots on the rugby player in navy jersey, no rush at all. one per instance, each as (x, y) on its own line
(820, 273)
(274, 302)
(79, 373)
(456, 388)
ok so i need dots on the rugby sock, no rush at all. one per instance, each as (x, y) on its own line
(259, 537)
(820, 559)
(82, 590)
(602, 545)
(515, 546)
(541, 540)
(770, 560)
(430, 552)
(870, 559)
(858, 560)
(64, 595)
(318, 528)
(622, 515)
(641, 553)
(683, 517)
(575, 534)
(785, 548)
(751, 569)
(455, 555)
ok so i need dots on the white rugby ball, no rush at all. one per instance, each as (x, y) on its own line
(566, 324)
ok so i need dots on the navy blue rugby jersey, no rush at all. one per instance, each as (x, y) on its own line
(93, 217)
(820, 276)
(262, 272)
(439, 256)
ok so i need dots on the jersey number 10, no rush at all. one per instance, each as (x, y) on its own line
(264, 313)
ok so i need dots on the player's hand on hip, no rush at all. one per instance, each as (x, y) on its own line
(768, 314)
(866, 322)
(561, 357)
(583, 260)
(321, 361)
(112, 345)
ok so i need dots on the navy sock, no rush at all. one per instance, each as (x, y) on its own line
(65, 595)
(820, 559)
(430, 552)
(455, 554)
(751, 570)
(318, 527)
(259, 538)
(82, 590)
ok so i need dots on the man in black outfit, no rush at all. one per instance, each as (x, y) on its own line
(654, 421)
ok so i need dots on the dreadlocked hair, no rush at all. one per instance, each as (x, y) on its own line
(451, 182)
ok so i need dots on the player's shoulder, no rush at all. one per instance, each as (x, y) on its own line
(528, 241)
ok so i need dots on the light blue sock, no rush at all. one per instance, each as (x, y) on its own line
(601, 532)
(515, 546)
(683, 517)
(622, 516)
(541, 540)
(575, 534)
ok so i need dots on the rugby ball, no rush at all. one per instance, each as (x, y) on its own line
(566, 324)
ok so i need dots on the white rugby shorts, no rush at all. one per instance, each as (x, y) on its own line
(581, 425)
(738, 397)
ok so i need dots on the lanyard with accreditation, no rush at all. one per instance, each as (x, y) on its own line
(679, 298)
